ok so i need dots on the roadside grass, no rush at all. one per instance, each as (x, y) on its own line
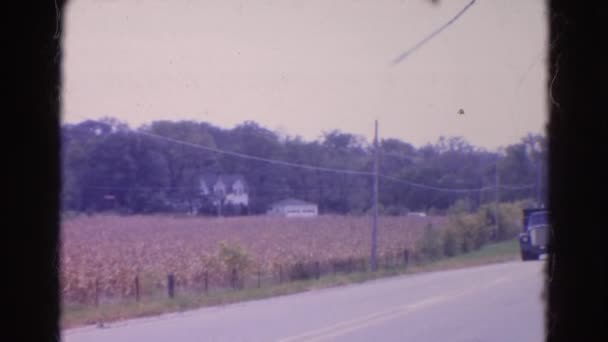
(74, 315)
(488, 254)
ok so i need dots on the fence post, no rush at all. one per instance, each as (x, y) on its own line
(96, 291)
(280, 274)
(137, 288)
(171, 285)
(259, 279)
(317, 270)
(206, 282)
(406, 258)
(234, 278)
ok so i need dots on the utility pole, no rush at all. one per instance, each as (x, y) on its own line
(219, 206)
(220, 198)
(497, 188)
(374, 250)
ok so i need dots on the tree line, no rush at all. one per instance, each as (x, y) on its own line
(108, 166)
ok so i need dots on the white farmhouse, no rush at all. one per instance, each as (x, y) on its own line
(294, 208)
(230, 189)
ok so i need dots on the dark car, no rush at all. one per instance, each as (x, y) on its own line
(534, 239)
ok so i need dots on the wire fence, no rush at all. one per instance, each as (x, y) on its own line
(146, 287)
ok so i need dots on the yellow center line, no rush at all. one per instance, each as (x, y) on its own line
(382, 316)
(361, 320)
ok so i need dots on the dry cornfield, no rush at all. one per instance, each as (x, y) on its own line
(113, 249)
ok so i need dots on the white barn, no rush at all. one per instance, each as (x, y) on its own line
(294, 208)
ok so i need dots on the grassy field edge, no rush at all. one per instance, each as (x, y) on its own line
(77, 316)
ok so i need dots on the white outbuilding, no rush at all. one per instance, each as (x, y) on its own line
(294, 208)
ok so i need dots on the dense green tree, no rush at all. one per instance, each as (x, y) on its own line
(108, 166)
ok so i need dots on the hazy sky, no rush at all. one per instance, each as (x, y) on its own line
(305, 67)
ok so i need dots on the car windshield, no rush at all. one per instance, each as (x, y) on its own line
(539, 219)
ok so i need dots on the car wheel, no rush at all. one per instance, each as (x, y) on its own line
(526, 256)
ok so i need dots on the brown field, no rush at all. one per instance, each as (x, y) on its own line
(113, 249)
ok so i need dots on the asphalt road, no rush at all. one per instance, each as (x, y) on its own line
(491, 303)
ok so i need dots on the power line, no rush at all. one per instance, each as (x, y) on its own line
(261, 159)
(436, 188)
(405, 54)
(325, 169)
(457, 190)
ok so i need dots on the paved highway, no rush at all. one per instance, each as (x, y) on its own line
(493, 303)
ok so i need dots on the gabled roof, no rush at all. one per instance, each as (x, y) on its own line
(291, 201)
(227, 179)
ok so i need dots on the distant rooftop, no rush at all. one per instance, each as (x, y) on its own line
(291, 201)
(228, 179)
